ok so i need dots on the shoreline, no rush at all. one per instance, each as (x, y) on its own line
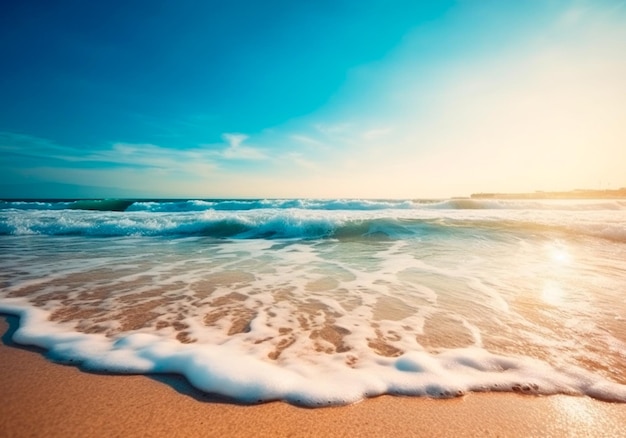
(47, 399)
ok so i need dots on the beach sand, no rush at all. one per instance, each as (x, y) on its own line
(46, 399)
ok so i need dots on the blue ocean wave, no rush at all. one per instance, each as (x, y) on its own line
(263, 204)
(278, 225)
(195, 205)
(292, 224)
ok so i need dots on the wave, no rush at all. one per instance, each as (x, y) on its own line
(81, 204)
(102, 204)
(263, 204)
(190, 205)
(302, 224)
(283, 225)
(195, 205)
(34, 205)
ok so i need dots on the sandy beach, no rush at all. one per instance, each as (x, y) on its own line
(47, 399)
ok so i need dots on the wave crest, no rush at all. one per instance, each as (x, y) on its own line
(196, 205)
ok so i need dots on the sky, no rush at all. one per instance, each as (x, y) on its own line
(323, 99)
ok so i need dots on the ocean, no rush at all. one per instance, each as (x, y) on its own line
(326, 302)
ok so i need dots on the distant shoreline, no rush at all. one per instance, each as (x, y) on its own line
(572, 194)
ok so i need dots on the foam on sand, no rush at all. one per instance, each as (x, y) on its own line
(34, 402)
(230, 371)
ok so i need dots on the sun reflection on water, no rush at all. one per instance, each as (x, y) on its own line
(559, 254)
(558, 259)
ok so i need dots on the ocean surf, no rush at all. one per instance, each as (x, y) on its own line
(320, 302)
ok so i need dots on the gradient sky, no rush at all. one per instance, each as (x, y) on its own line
(328, 98)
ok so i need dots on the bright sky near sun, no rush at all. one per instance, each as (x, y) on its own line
(329, 98)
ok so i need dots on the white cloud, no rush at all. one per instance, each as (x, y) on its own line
(32, 146)
(234, 140)
(237, 151)
(190, 161)
(141, 167)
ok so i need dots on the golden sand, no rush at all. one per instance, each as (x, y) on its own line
(51, 400)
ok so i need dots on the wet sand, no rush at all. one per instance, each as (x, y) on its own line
(46, 399)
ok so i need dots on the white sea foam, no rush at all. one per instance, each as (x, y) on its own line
(230, 371)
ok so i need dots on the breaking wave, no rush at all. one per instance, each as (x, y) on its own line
(195, 205)
(307, 224)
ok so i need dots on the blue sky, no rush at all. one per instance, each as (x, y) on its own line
(317, 99)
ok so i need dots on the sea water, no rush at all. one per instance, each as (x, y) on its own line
(321, 302)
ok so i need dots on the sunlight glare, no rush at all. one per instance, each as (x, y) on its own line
(559, 254)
